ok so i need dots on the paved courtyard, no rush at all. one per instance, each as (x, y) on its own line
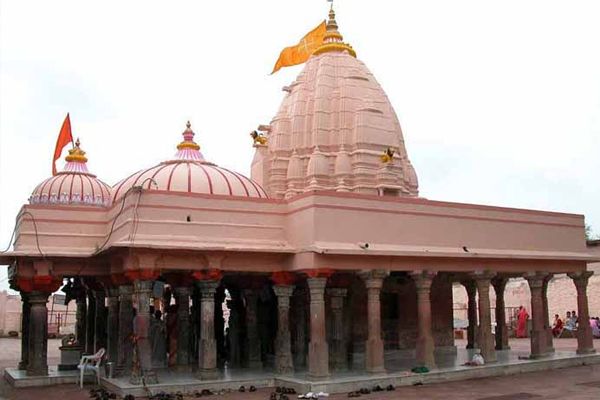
(574, 384)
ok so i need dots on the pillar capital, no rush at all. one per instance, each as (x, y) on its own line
(283, 290)
(536, 280)
(499, 283)
(316, 287)
(423, 279)
(207, 288)
(581, 279)
(482, 276)
(37, 298)
(125, 290)
(182, 291)
(373, 275)
(337, 292)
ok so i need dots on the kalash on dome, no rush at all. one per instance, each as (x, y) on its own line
(325, 261)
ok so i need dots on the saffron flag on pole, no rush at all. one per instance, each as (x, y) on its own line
(64, 137)
(299, 53)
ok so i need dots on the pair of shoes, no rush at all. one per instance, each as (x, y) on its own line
(390, 388)
(418, 384)
(273, 396)
(354, 394)
(252, 389)
(206, 392)
(378, 389)
(364, 391)
(285, 390)
(242, 389)
(128, 397)
(309, 395)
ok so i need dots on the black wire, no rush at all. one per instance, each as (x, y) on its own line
(37, 238)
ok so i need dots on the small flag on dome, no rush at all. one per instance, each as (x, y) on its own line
(299, 53)
(64, 137)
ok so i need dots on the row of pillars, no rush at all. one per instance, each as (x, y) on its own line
(116, 329)
(479, 334)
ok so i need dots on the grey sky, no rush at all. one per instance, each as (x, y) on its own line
(499, 101)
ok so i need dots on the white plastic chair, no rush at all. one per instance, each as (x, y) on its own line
(90, 363)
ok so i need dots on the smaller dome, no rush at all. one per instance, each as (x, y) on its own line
(189, 172)
(73, 185)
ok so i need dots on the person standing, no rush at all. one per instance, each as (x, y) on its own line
(522, 318)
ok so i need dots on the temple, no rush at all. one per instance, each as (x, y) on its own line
(327, 260)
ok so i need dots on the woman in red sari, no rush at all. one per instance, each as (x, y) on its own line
(558, 326)
(522, 318)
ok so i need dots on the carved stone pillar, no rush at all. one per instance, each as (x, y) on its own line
(81, 320)
(142, 290)
(318, 351)
(499, 284)
(38, 334)
(125, 344)
(112, 328)
(538, 333)
(585, 339)
(100, 320)
(207, 346)
(283, 347)
(253, 344)
(90, 325)
(547, 323)
(25, 332)
(182, 295)
(425, 343)
(486, 338)
(300, 328)
(374, 346)
(338, 346)
(471, 289)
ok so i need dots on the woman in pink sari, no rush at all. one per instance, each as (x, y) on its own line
(522, 318)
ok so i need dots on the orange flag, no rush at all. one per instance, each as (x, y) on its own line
(64, 137)
(299, 53)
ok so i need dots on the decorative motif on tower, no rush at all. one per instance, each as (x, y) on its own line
(331, 130)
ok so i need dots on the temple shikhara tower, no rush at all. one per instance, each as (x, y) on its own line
(331, 129)
(325, 265)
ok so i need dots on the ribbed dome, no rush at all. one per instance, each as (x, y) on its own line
(73, 185)
(188, 172)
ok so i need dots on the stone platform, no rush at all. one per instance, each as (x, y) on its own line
(19, 379)
(398, 375)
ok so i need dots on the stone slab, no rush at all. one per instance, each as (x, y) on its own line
(346, 382)
(19, 379)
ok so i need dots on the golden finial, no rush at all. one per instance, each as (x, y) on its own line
(333, 39)
(188, 139)
(76, 154)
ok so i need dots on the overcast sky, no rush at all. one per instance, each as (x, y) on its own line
(499, 101)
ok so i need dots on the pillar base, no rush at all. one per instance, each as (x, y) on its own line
(374, 359)
(22, 366)
(208, 374)
(40, 371)
(318, 360)
(586, 351)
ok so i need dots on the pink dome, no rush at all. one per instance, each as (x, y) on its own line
(73, 185)
(188, 172)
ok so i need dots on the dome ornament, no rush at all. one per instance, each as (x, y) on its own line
(76, 154)
(188, 139)
(333, 39)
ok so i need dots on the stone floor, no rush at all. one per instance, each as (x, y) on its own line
(576, 383)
